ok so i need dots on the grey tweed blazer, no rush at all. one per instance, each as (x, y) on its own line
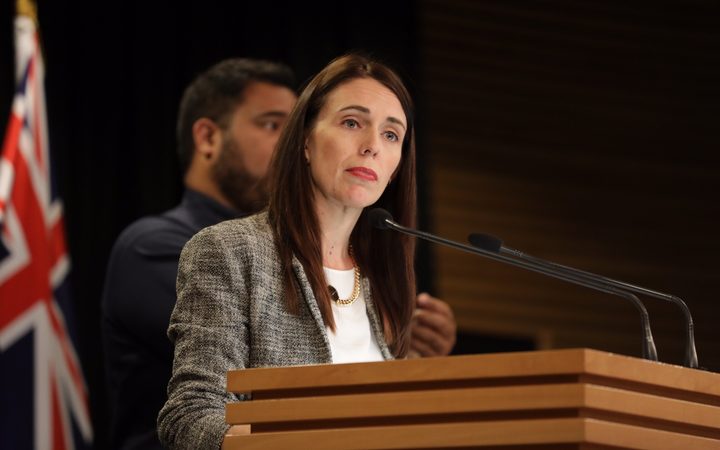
(231, 314)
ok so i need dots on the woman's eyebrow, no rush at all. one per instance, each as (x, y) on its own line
(365, 110)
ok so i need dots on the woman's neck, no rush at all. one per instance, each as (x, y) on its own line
(336, 226)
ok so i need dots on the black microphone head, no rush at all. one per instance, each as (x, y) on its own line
(378, 218)
(486, 242)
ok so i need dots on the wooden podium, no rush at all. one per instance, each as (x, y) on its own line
(559, 399)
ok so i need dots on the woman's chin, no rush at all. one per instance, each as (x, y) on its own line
(362, 202)
(361, 198)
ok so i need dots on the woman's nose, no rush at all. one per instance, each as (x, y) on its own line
(371, 145)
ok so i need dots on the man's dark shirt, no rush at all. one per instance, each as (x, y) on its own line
(138, 298)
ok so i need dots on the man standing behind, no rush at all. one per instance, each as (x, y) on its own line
(229, 121)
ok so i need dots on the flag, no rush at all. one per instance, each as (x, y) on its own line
(43, 395)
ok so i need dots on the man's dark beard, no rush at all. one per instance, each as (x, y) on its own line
(246, 193)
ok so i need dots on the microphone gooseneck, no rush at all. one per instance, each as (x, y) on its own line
(489, 242)
(382, 219)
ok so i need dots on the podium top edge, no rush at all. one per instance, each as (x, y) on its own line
(546, 363)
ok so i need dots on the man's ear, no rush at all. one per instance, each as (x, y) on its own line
(207, 137)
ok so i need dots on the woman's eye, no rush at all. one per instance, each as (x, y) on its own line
(391, 136)
(351, 123)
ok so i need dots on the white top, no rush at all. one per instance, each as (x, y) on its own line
(353, 339)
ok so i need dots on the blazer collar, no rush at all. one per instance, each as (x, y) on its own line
(309, 297)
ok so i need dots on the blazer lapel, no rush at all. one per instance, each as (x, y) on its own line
(309, 297)
(374, 318)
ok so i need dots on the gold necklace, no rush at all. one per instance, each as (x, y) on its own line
(356, 286)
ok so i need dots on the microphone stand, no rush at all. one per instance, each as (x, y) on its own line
(649, 350)
(491, 243)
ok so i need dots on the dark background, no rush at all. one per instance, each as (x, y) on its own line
(553, 95)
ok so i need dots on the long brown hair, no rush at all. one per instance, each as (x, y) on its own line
(384, 257)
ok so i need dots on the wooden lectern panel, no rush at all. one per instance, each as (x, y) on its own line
(512, 434)
(550, 399)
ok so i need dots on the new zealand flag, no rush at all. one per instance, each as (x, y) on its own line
(43, 396)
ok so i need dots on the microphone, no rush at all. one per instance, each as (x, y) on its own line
(383, 220)
(380, 218)
(494, 244)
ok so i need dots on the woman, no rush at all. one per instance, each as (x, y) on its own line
(310, 281)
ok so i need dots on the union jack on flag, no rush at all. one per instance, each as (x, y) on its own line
(43, 396)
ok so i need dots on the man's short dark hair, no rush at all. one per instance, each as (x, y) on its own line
(216, 93)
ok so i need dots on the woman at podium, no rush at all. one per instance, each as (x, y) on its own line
(309, 280)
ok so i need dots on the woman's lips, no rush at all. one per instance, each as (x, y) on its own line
(364, 173)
